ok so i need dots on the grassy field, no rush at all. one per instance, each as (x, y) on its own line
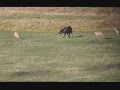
(46, 56)
(41, 54)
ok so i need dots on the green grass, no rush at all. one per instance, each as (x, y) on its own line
(46, 56)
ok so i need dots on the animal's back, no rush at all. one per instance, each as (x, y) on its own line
(68, 29)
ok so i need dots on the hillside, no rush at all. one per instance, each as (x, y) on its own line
(53, 18)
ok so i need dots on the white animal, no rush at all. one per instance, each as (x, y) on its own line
(117, 31)
(16, 35)
(99, 34)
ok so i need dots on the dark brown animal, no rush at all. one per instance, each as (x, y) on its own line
(66, 30)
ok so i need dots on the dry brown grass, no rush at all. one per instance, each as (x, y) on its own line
(82, 18)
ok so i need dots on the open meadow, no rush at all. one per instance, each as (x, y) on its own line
(43, 55)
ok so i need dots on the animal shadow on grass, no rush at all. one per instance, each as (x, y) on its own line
(108, 38)
(78, 36)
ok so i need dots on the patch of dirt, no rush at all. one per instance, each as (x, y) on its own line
(109, 67)
(30, 73)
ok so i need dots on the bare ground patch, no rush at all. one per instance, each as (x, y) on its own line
(107, 67)
(31, 73)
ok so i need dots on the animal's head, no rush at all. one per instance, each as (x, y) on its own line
(61, 31)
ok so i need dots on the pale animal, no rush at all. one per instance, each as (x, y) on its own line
(16, 35)
(117, 31)
(99, 34)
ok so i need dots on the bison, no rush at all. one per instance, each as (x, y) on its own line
(66, 30)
